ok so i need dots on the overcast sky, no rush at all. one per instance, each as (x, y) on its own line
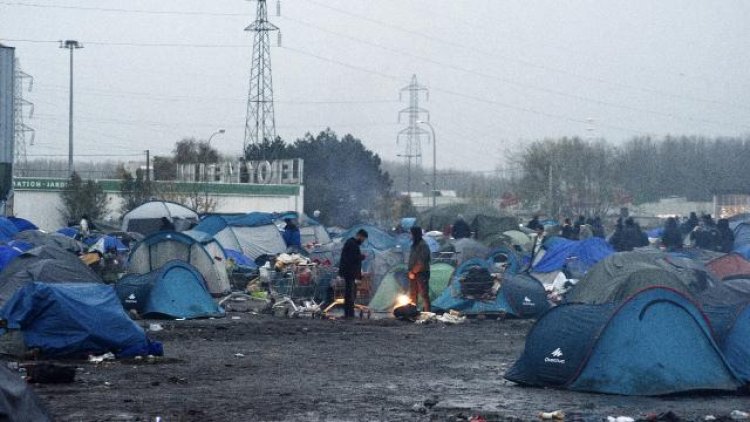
(501, 73)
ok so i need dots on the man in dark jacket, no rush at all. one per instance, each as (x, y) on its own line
(350, 269)
(726, 243)
(568, 231)
(461, 229)
(419, 269)
(534, 223)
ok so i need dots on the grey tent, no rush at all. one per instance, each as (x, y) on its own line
(39, 238)
(729, 292)
(149, 218)
(46, 263)
(18, 403)
(621, 275)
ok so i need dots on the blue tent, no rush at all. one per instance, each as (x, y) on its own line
(731, 326)
(377, 239)
(254, 234)
(741, 235)
(73, 320)
(22, 224)
(520, 295)
(107, 243)
(582, 254)
(70, 232)
(176, 290)
(507, 256)
(7, 254)
(656, 342)
(404, 241)
(8, 230)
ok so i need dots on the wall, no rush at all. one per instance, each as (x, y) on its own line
(38, 200)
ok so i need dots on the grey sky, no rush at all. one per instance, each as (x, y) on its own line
(501, 73)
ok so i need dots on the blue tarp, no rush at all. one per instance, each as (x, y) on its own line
(8, 230)
(7, 254)
(106, 243)
(176, 290)
(240, 259)
(520, 295)
(585, 253)
(70, 232)
(657, 342)
(23, 224)
(73, 320)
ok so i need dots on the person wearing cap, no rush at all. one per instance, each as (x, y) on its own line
(419, 269)
(350, 269)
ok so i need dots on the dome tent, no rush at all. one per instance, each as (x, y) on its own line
(159, 248)
(731, 324)
(656, 342)
(396, 283)
(148, 218)
(176, 290)
(254, 234)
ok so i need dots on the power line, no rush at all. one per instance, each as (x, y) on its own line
(119, 10)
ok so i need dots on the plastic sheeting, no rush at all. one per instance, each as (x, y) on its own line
(72, 320)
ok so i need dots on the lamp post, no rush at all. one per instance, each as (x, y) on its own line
(70, 45)
(434, 162)
(208, 144)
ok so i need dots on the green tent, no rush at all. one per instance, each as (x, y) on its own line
(396, 283)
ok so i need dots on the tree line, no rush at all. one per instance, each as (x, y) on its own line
(571, 176)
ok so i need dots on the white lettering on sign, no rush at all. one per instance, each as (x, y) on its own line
(279, 172)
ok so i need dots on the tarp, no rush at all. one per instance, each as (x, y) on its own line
(147, 218)
(621, 275)
(729, 266)
(7, 254)
(46, 263)
(23, 224)
(176, 290)
(520, 295)
(240, 259)
(656, 342)
(731, 326)
(159, 248)
(396, 283)
(7, 229)
(729, 292)
(253, 234)
(40, 238)
(18, 403)
(581, 254)
(72, 320)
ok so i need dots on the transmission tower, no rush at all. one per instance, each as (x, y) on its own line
(260, 123)
(412, 135)
(22, 80)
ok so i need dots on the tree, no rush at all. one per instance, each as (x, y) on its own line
(341, 178)
(83, 198)
(190, 151)
(134, 190)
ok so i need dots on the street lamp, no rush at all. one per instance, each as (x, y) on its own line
(70, 45)
(208, 144)
(434, 162)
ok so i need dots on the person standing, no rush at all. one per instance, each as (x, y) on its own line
(350, 269)
(568, 231)
(292, 236)
(419, 269)
(534, 223)
(671, 238)
(461, 229)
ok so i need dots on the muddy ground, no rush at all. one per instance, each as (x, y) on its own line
(261, 368)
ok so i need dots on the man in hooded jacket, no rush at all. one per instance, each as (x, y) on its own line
(350, 269)
(419, 269)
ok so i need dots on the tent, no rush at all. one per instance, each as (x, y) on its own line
(729, 266)
(18, 403)
(148, 218)
(467, 249)
(22, 224)
(731, 324)
(576, 255)
(73, 320)
(396, 283)
(486, 227)
(519, 240)
(656, 342)
(40, 238)
(506, 256)
(377, 239)
(254, 234)
(742, 235)
(46, 263)
(7, 254)
(619, 276)
(159, 248)
(729, 292)
(176, 290)
(520, 295)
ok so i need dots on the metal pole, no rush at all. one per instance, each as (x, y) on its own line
(434, 163)
(148, 165)
(70, 118)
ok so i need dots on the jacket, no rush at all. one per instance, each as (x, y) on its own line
(350, 265)
(419, 258)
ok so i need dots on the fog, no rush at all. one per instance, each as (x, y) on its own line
(501, 73)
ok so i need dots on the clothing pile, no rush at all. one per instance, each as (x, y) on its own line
(478, 283)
